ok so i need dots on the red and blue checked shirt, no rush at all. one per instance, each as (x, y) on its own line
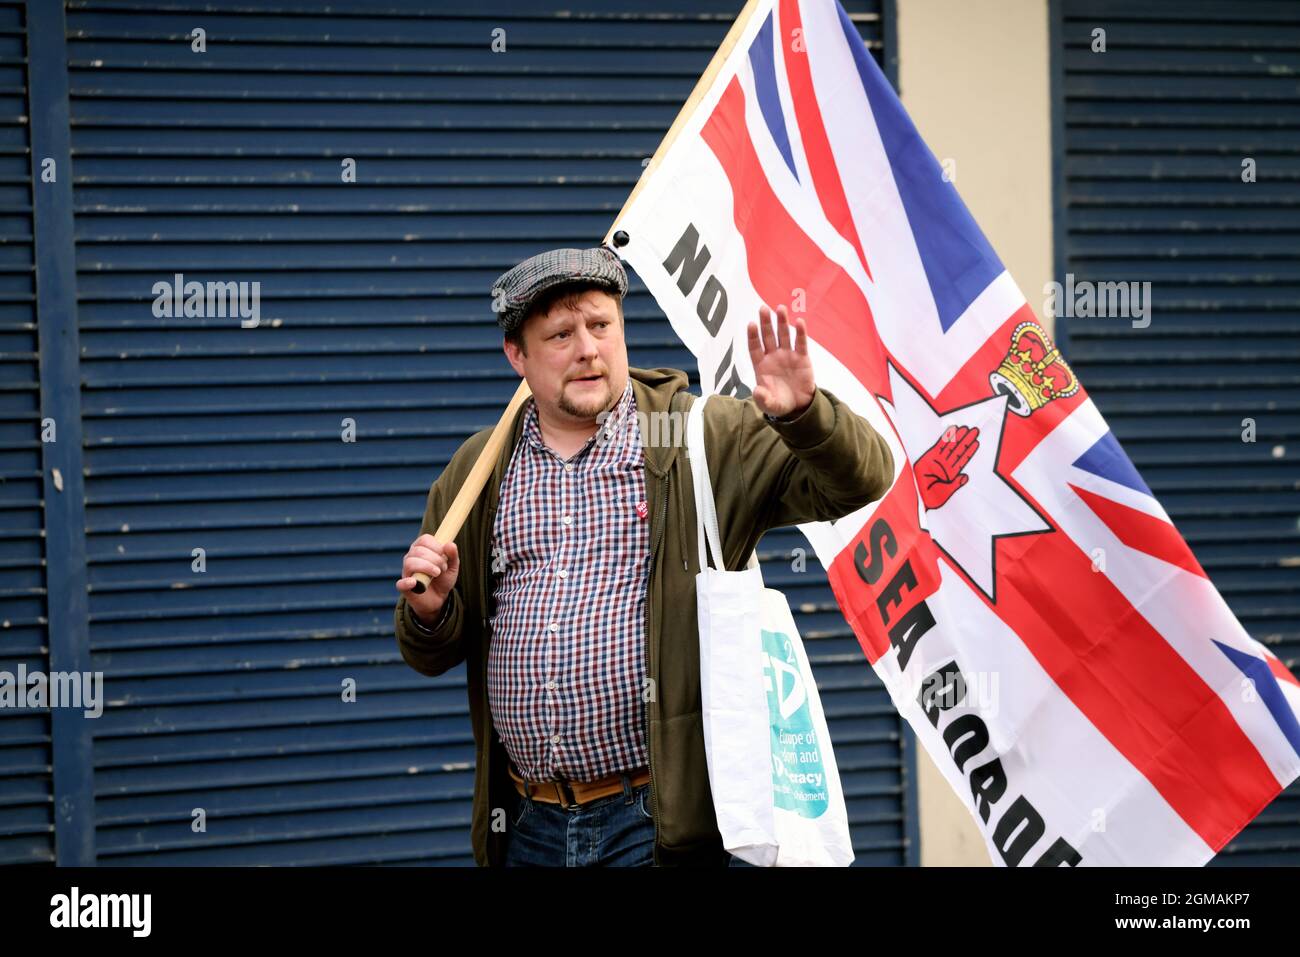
(571, 547)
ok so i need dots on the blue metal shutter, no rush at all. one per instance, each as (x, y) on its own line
(1150, 138)
(225, 685)
(26, 820)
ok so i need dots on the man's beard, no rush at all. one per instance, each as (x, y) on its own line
(592, 404)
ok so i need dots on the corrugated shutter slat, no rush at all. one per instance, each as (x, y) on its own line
(1155, 130)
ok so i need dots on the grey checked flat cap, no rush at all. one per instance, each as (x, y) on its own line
(516, 289)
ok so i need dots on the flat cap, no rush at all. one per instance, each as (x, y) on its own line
(515, 290)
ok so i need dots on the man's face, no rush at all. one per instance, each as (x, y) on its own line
(576, 363)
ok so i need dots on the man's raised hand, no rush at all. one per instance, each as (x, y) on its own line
(783, 374)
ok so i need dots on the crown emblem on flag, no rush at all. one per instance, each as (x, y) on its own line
(1033, 373)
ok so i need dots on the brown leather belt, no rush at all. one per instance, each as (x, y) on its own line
(572, 794)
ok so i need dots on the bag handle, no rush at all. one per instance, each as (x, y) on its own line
(706, 513)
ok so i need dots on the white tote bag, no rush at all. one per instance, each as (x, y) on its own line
(776, 789)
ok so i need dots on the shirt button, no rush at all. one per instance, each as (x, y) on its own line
(562, 573)
(568, 467)
(555, 626)
(551, 685)
(555, 739)
(567, 519)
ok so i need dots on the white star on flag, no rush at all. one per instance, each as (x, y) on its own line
(982, 509)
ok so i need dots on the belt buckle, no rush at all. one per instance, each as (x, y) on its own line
(565, 794)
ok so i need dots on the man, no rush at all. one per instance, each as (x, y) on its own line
(569, 592)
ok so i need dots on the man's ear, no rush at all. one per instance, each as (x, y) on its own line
(513, 355)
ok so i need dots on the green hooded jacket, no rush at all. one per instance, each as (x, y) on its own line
(821, 466)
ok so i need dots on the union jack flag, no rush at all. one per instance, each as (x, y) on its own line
(1126, 717)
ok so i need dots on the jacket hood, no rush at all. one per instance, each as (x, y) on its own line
(670, 381)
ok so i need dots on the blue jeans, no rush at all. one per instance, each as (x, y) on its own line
(614, 831)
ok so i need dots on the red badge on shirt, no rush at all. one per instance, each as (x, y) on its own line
(642, 509)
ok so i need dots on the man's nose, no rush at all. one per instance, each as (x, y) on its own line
(586, 343)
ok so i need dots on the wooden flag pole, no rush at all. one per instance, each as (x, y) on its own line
(701, 87)
(477, 478)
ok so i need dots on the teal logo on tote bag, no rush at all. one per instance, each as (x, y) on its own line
(798, 779)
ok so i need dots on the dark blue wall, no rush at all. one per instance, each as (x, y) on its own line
(1149, 142)
(174, 434)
